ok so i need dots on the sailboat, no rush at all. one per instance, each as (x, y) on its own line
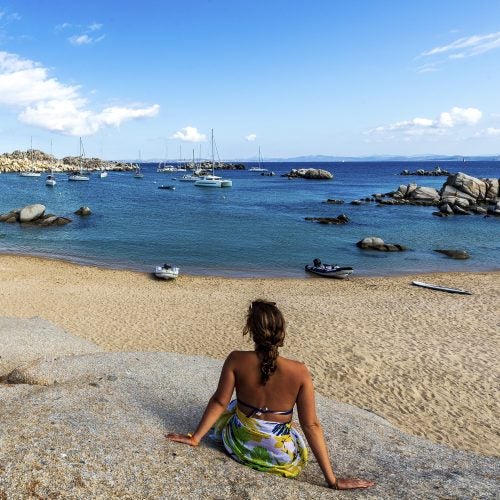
(79, 176)
(212, 180)
(30, 173)
(137, 172)
(50, 179)
(260, 168)
(190, 177)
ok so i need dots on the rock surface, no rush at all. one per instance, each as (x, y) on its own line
(93, 427)
(340, 219)
(83, 211)
(455, 254)
(309, 173)
(25, 340)
(375, 243)
(31, 212)
(34, 214)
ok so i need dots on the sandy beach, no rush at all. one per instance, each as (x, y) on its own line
(426, 361)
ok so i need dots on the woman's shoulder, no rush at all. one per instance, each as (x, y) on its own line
(236, 355)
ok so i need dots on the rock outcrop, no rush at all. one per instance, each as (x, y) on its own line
(375, 243)
(38, 161)
(431, 173)
(92, 426)
(341, 219)
(34, 214)
(309, 173)
(25, 340)
(461, 194)
(455, 254)
(83, 211)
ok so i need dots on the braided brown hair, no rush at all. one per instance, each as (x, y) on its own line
(266, 327)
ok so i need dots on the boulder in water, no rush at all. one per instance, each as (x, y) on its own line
(31, 212)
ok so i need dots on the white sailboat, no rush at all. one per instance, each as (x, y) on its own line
(79, 176)
(212, 180)
(191, 177)
(260, 168)
(30, 173)
(50, 179)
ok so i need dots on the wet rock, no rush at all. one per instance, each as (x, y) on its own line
(341, 219)
(454, 254)
(83, 211)
(375, 243)
(334, 202)
(309, 173)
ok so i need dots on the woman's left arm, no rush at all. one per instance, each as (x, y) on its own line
(215, 407)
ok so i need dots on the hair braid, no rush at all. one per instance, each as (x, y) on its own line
(266, 326)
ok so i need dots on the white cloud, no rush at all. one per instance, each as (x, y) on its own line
(95, 26)
(489, 132)
(251, 137)
(460, 116)
(80, 40)
(47, 103)
(445, 121)
(467, 46)
(84, 39)
(189, 134)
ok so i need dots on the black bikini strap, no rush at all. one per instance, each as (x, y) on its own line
(262, 410)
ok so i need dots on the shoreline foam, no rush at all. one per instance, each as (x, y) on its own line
(424, 360)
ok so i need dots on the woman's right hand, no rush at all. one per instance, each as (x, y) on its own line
(351, 483)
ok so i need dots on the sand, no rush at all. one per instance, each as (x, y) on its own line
(424, 360)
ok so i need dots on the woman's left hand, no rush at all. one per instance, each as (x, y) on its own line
(182, 438)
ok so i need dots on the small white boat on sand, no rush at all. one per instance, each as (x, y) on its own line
(166, 272)
(440, 288)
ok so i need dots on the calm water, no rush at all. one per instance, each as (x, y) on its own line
(255, 228)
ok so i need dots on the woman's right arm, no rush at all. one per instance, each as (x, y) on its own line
(311, 426)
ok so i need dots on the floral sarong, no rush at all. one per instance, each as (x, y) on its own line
(266, 446)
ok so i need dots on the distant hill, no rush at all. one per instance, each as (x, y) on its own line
(327, 158)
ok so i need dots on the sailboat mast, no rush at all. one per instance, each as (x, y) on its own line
(212, 151)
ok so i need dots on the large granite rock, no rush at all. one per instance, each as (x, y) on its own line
(475, 188)
(375, 243)
(31, 212)
(26, 340)
(34, 214)
(309, 173)
(93, 427)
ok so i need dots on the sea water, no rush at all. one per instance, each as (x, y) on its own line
(255, 228)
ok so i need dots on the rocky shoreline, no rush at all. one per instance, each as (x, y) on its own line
(34, 160)
(461, 194)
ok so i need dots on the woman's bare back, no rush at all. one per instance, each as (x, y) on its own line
(278, 394)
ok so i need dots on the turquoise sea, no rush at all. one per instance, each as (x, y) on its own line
(255, 228)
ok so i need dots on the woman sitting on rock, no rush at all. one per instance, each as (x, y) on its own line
(256, 428)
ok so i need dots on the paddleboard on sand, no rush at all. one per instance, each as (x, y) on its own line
(441, 288)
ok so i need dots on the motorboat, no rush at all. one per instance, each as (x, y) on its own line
(168, 186)
(103, 173)
(50, 180)
(30, 174)
(78, 176)
(329, 270)
(166, 272)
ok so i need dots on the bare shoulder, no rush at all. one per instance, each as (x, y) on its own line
(236, 356)
(298, 367)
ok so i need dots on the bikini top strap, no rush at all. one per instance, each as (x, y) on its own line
(259, 411)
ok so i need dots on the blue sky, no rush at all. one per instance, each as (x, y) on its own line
(293, 77)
